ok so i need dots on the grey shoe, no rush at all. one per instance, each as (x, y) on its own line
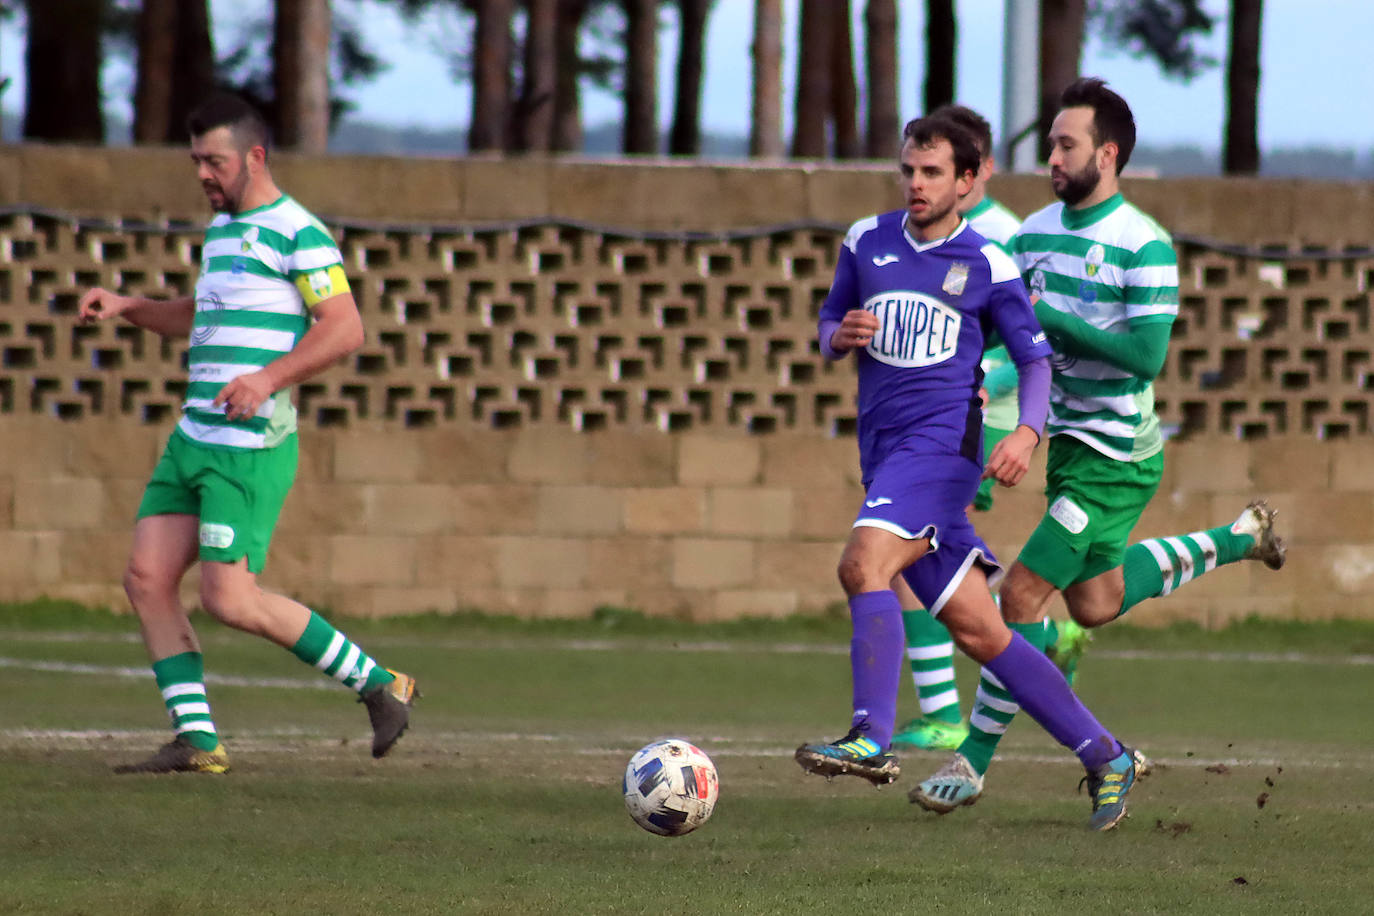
(1258, 521)
(388, 709)
(954, 784)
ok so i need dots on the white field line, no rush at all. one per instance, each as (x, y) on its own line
(297, 742)
(713, 646)
(226, 680)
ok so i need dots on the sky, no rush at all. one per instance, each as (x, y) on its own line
(1316, 89)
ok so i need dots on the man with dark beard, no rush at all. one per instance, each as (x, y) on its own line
(271, 308)
(1104, 279)
(915, 293)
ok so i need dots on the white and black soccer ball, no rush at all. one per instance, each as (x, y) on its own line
(670, 787)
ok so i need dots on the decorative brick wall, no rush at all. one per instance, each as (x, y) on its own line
(549, 415)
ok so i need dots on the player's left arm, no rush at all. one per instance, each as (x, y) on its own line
(1140, 350)
(337, 330)
(1150, 291)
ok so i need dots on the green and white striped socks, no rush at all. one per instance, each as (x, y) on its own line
(1157, 566)
(993, 706)
(931, 654)
(339, 657)
(181, 678)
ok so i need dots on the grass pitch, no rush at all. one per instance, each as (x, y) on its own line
(505, 795)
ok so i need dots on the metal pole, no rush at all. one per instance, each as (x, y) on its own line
(1020, 84)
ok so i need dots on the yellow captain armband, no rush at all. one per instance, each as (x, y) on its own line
(318, 285)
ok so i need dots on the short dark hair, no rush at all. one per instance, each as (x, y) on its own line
(970, 121)
(930, 130)
(224, 109)
(1112, 118)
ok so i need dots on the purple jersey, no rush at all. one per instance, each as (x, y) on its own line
(937, 302)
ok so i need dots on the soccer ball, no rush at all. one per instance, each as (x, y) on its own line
(670, 787)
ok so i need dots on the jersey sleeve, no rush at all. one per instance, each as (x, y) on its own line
(1151, 283)
(844, 289)
(1011, 311)
(315, 266)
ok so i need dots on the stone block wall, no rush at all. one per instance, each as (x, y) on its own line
(701, 526)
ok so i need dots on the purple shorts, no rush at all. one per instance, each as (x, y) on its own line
(915, 494)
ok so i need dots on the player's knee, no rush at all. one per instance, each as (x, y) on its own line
(1093, 615)
(853, 573)
(142, 584)
(231, 605)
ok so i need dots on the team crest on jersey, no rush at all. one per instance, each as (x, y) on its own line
(955, 279)
(1037, 283)
(914, 329)
(250, 238)
(1094, 258)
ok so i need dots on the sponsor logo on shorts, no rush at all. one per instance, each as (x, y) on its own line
(1067, 513)
(879, 501)
(216, 535)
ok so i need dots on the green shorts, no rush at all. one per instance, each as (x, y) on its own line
(237, 493)
(1094, 502)
(982, 500)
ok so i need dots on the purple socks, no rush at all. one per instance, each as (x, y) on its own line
(1039, 687)
(875, 655)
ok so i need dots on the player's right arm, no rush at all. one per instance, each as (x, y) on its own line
(168, 317)
(843, 325)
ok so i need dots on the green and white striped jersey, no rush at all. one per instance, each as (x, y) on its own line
(261, 271)
(1108, 265)
(993, 222)
(996, 223)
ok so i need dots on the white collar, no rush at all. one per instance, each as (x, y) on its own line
(926, 246)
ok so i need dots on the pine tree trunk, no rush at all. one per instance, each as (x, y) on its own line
(300, 75)
(1241, 153)
(1061, 44)
(765, 122)
(844, 94)
(533, 128)
(641, 78)
(193, 76)
(567, 100)
(685, 137)
(941, 45)
(62, 72)
(813, 80)
(491, 84)
(880, 24)
(157, 23)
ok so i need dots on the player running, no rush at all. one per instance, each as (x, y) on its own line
(929, 649)
(914, 294)
(1105, 280)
